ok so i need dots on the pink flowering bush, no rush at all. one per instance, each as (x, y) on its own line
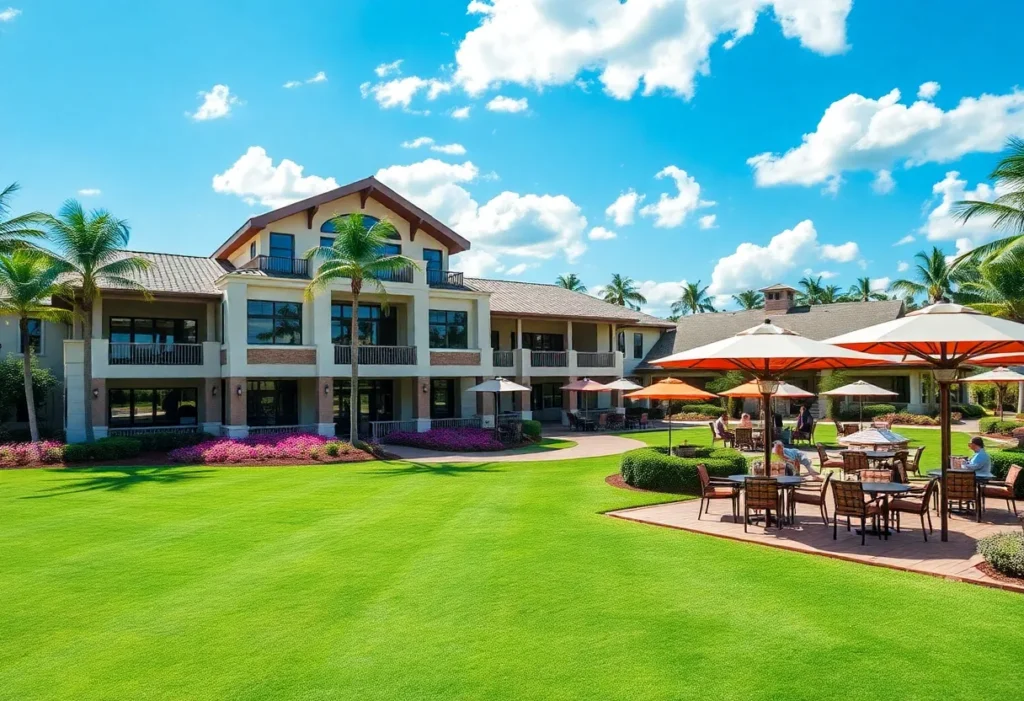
(453, 439)
(297, 446)
(18, 454)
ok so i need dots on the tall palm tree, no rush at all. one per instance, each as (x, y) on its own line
(693, 300)
(812, 290)
(13, 231)
(28, 280)
(90, 246)
(861, 292)
(749, 299)
(935, 278)
(357, 255)
(622, 291)
(1006, 211)
(831, 295)
(571, 282)
(998, 289)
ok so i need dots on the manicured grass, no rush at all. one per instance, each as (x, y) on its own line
(411, 581)
(546, 444)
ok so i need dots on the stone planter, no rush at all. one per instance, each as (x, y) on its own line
(685, 451)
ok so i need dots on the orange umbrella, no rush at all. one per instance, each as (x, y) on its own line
(751, 391)
(670, 388)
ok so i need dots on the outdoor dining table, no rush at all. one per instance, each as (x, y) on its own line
(981, 477)
(875, 456)
(787, 482)
(885, 489)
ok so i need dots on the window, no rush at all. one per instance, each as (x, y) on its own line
(326, 241)
(376, 401)
(328, 226)
(620, 342)
(272, 402)
(252, 249)
(376, 328)
(638, 345)
(434, 258)
(512, 342)
(163, 331)
(495, 340)
(449, 329)
(442, 399)
(282, 246)
(33, 337)
(276, 323)
(546, 395)
(544, 341)
(129, 408)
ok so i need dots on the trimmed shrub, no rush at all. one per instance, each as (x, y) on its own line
(1005, 552)
(164, 441)
(1001, 462)
(532, 429)
(655, 469)
(905, 419)
(971, 411)
(710, 410)
(110, 448)
(992, 424)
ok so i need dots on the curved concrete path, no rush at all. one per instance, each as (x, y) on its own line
(588, 445)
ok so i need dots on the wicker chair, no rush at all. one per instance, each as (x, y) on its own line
(1005, 489)
(827, 460)
(962, 487)
(802, 495)
(762, 494)
(744, 438)
(602, 422)
(902, 458)
(728, 440)
(875, 475)
(914, 466)
(717, 489)
(851, 502)
(845, 429)
(915, 505)
(854, 462)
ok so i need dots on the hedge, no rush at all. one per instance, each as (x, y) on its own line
(110, 448)
(971, 411)
(905, 419)
(703, 409)
(992, 424)
(871, 411)
(1005, 552)
(655, 469)
(1001, 461)
(531, 429)
(166, 441)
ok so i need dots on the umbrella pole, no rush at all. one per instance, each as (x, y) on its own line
(945, 430)
(860, 425)
(1000, 393)
(769, 425)
(670, 427)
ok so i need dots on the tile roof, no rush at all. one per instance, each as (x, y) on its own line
(819, 321)
(536, 299)
(177, 274)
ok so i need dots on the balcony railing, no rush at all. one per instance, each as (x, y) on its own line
(549, 359)
(595, 360)
(156, 354)
(444, 278)
(275, 265)
(401, 275)
(141, 430)
(504, 359)
(282, 430)
(376, 355)
(380, 429)
(467, 422)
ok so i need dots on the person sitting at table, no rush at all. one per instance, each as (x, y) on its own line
(980, 461)
(745, 421)
(804, 421)
(722, 427)
(794, 459)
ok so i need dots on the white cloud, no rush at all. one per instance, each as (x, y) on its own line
(844, 253)
(320, 77)
(902, 266)
(216, 104)
(400, 92)
(90, 192)
(883, 183)
(661, 295)
(753, 266)
(417, 142)
(622, 211)
(256, 179)
(599, 233)
(909, 238)
(670, 212)
(942, 226)
(860, 133)
(708, 221)
(460, 112)
(664, 45)
(292, 84)
(823, 274)
(449, 149)
(386, 69)
(879, 284)
(501, 103)
(928, 90)
(9, 15)
(517, 269)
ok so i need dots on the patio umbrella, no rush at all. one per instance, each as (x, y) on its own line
(670, 388)
(751, 391)
(624, 385)
(585, 385)
(498, 385)
(860, 389)
(946, 336)
(1000, 377)
(875, 438)
(768, 352)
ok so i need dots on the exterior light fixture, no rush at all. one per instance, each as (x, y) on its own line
(768, 386)
(327, 388)
(95, 394)
(944, 374)
(214, 390)
(238, 390)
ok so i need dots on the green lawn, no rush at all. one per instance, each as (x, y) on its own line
(491, 581)
(546, 444)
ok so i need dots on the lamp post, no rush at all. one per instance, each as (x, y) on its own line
(768, 386)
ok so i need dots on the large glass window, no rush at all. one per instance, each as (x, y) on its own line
(276, 323)
(449, 329)
(638, 345)
(433, 258)
(376, 402)
(33, 337)
(139, 408)
(164, 331)
(546, 395)
(272, 402)
(442, 399)
(376, 327)
(282, 246)
(544, 341)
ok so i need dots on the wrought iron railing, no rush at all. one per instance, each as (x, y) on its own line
(595, 360)
(137, 430)
(549, 359)
(277, 265)
(504, 359)
(380, 429)
(376, 355)
(270, 430)
(444, 278)
(400, 275)
(155, 353)
(465, 422)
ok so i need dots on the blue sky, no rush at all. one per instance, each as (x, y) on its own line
(104, 96)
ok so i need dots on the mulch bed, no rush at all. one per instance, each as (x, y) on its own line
(989, 571)
(157, 459)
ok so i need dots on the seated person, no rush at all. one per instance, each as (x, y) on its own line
(722, 427)
(745, 421)
(794, 459)
(980, 461)
(804, 421)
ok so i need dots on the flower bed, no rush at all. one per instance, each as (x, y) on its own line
(24, 454)
(466, 440)
(302, 447)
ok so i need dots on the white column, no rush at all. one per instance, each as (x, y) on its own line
(211, 321)
(916, 398)
(235, 323)
(1020, 397)
(611, 338)
(519, 333)
(568, 335)
(320, 322)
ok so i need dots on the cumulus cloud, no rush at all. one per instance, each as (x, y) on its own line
(623, 210)
(928, 90)
(662, 45)
(909, 238)
(941, 225)
(501, 103)
(9, 15)
(670, 211)
(89, 192)
(883, 183)
(386, 69)
(599, 233)
(879, 284)
(661, 295)
(902, 266)
(216, 103)
(823, 274)
(449, 149)
(256, 179)
(861, 133)
(460, 112)
(399, 92)
(708, 221)
(844, 253)
(320, 77)
(753, 266)
(518, 269)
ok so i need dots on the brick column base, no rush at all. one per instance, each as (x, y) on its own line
(325, 406)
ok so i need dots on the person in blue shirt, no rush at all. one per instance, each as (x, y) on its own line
(980, 461)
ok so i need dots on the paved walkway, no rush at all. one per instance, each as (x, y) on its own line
(956, 559)
(588, 445)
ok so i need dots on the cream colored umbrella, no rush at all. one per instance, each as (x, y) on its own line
(1000, 377)
(860, 389)
(750, 391)
(623, 385)
(585, 385)
(498, 385)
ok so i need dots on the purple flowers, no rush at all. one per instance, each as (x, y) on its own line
(453, 439)
(299, 446)
(19, 454)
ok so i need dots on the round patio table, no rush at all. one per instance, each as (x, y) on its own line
(980, 478)
(885, 489)
(786, 482)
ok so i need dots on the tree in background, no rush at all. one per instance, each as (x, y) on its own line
(570, 282)
(998, 289)
(749, 299)
(811, 292)
(12, 384)
(833, 380)
(1006, 211)
(622, 291)
(934, 278)
(693, 300)
(14, 231)
(831, 295)
(733, 378)
(861, 291)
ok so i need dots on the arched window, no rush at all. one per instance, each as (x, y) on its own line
(368, 221)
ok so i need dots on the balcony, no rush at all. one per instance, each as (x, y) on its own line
(445, 279)
(155, 354)
(402, 275)
(280, 267)
(504, 359)
(376, 355)
(595, 360)
(549, 359)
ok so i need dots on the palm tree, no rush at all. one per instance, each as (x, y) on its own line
(812, 290)
(749, 299)
(935, 278)
(623, 292)
(357, 254)
(831, 295)
(28, 280)
(998, 289)
(90, 247)
(13, 230)
(1006, 211)
(694, 300)
(861, 292)
(571, 282)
